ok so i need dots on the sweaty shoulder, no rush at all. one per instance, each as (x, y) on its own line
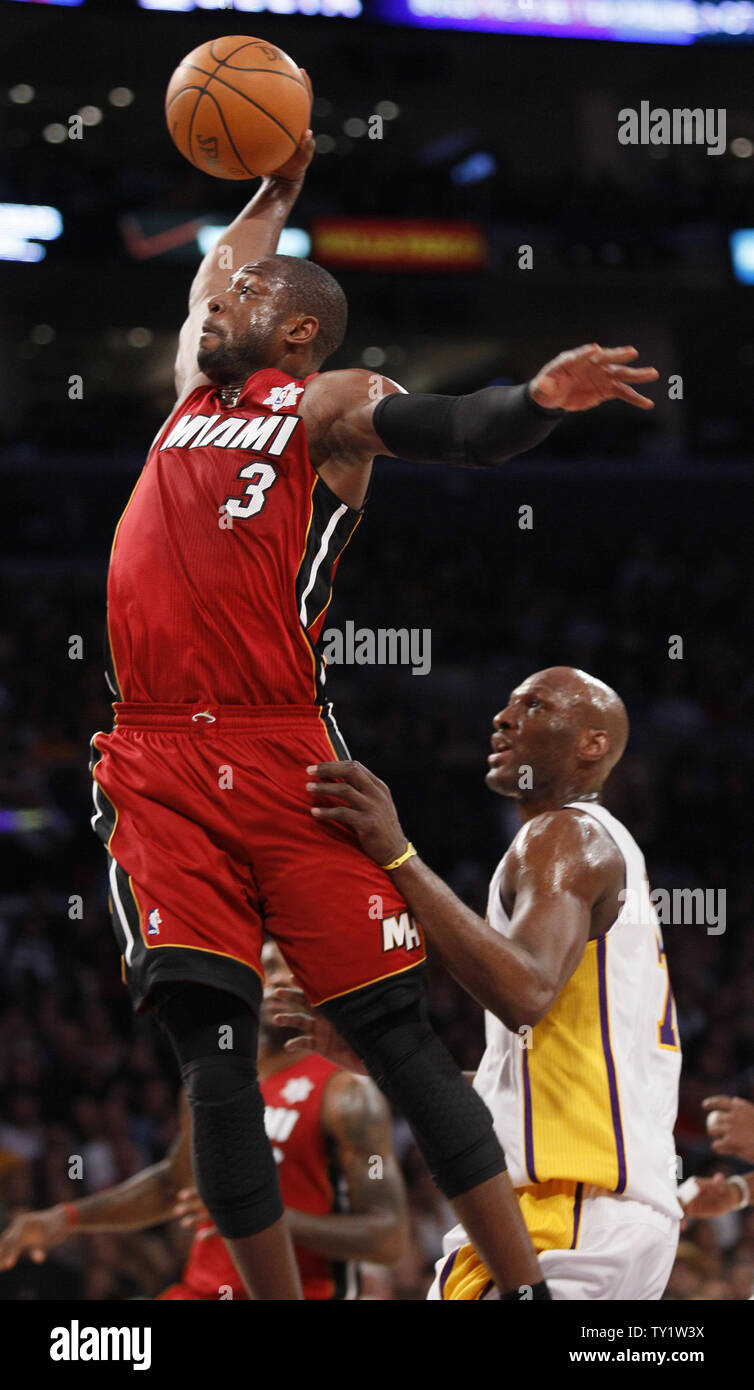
(344, 389)
(336, 409)
(564, 848)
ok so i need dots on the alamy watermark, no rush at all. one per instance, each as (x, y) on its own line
(683, 906)
(679, 125)
(85, 1343)
(382, 646)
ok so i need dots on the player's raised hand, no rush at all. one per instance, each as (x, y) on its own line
(702, 1197)
(367, 807)
(33, 1233)
(731, 1126)
(295, 168)
(587, 376)
(313, 1032)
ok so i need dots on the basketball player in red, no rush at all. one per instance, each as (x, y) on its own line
(220, 576)
(326, 1127)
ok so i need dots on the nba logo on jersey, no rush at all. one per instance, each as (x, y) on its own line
(283, 397)
(154, 922)
(298, 1089)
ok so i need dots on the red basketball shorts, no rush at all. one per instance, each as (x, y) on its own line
(211, 843)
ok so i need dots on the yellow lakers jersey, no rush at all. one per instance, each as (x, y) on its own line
(590, 1093)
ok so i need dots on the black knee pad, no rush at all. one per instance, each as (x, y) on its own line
(214, 1035)
(387, 1025)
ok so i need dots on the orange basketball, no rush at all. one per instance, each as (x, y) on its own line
(237, 107)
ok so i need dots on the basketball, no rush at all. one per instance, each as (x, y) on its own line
(237, 107)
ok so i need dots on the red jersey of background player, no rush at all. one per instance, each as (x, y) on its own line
(222, 564)
(308, 1182)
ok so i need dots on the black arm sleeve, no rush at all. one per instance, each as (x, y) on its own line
(476, 431)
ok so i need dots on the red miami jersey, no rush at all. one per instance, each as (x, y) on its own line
(223, 561)
(308, 1182)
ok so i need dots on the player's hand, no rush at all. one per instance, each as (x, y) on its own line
(295, 168)
(33, 1233)
(733, 1128)
(366, 807)
(313, 1032)
(188, 1207)
(708, 1196)
(587, 376)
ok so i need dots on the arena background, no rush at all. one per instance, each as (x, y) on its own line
(641, 531)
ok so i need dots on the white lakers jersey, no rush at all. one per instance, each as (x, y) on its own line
(590, 1093)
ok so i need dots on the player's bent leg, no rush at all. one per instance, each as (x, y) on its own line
(214, 1036)
(387, 1024)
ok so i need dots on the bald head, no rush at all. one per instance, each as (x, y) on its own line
(563, 725)
(594, 705)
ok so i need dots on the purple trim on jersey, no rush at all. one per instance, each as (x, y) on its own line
(577, 1213)
(446, 1272)
(489, 1285)
(528, 1125)
(610, 1065)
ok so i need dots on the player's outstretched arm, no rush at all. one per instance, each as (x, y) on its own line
(254, 232)
(357, 414)
(356, 1124)
(558, 875)
(145, 1200)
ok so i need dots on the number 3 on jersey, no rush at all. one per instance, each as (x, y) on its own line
(263, 475)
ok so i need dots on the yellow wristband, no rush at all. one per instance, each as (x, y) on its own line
(407, 854)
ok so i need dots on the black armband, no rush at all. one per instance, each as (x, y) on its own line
(475, 431)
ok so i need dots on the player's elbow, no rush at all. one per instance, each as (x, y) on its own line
(528, 1008)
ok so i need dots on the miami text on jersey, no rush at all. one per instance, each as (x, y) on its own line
(265, 434)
